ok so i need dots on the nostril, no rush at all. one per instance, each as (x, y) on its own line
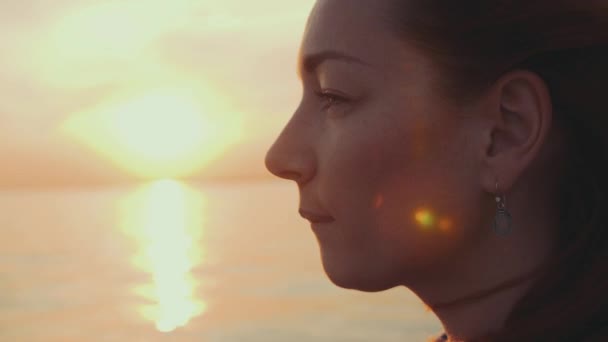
(271, 164)
(289, 164)
(280, 169)
(290, 175)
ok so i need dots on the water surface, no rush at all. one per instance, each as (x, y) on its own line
(166, 261)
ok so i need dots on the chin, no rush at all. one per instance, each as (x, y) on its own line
(357, 278)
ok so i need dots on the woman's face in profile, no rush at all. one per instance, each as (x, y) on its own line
(373, 146)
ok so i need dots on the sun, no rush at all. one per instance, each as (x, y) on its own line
(168, 132)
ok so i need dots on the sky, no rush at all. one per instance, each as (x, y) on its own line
(97, 92)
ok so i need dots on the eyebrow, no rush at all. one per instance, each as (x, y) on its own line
(311, 62)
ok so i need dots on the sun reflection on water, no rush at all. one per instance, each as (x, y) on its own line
(165, 218)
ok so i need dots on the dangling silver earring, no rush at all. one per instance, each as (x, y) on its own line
(502, 221)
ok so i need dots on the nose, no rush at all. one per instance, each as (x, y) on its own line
(292, 154)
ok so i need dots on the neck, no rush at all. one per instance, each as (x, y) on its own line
(473, 293)
(521, 280)
(483, 311)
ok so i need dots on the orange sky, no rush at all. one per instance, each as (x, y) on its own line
(97, 66)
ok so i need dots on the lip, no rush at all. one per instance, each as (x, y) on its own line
(314, 217)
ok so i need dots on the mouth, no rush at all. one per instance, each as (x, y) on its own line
(316, 217)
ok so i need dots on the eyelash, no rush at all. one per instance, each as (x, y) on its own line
(330, 99)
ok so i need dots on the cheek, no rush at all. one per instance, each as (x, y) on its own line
(429, 202)
(365, 162)
(401, 183)
(354, 166)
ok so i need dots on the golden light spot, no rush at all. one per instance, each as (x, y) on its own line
(167, 132)
(425, 218)
(164, 218)
(378, 201)
(445, 225)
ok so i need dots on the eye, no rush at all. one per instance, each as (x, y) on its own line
(330, 98)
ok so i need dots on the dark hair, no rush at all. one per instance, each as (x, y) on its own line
(565, 42)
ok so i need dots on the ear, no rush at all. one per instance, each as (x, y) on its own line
(519, 114)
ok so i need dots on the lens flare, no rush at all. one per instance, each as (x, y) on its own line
(378, 201)
(425, 218)
(429, 221)
(445, 225)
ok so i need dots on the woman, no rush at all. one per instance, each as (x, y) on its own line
(419, 119)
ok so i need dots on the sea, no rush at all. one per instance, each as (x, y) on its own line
(173, 261)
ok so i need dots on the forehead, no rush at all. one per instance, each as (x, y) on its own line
(359, 28)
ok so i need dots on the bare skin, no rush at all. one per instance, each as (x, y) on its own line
(409, 177)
